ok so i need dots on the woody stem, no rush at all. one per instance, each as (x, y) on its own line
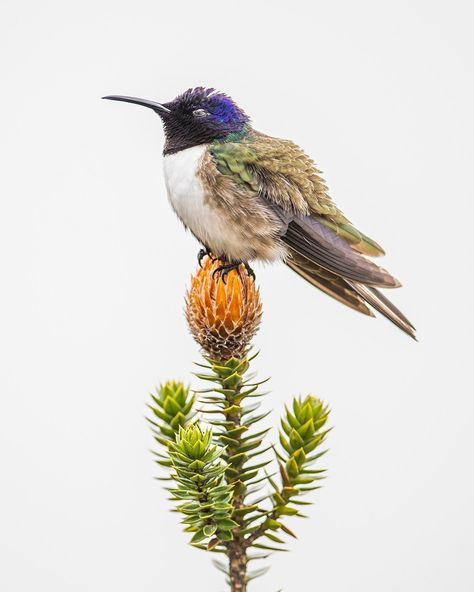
(236, 549)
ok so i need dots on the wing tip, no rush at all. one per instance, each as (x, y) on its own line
(382, 304)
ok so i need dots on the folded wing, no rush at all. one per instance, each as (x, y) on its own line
(323, 246)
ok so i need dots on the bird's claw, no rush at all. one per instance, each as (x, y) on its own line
(224, 269)
(250, 271)
(204, 253)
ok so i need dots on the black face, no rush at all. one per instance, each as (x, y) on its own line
(198, 116)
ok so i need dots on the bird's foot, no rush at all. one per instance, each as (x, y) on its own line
(249, 270)
(225, 268)
(204, 253)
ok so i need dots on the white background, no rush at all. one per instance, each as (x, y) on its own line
(94, 266)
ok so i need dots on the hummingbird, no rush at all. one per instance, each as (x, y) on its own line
(247, 196)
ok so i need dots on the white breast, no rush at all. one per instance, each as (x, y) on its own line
(187, 197)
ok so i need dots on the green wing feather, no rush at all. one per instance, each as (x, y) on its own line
(289, 178)
(281, 172)
(358, 241)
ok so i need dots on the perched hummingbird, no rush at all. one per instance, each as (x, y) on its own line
(247, 196)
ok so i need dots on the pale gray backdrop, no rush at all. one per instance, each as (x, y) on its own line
(94, 265)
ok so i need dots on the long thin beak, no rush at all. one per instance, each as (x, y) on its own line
(158, 107)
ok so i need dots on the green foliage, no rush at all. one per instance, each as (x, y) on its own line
(199, 476)
(173, 407)
(302, 434)
(218, 474)
(235, 398)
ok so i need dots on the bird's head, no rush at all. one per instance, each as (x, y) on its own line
(198, 116)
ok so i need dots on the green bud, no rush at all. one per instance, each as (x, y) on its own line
(173, 407)
(302, 432)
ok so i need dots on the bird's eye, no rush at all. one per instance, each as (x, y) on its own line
(200, 113)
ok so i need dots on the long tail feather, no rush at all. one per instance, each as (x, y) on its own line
(331, 284)
(353, 294)
(383, 305)
(311, 239)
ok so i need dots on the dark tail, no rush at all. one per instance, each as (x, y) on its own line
(354, 294)
(383, 305)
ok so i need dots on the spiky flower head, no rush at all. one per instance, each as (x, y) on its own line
(223, 312)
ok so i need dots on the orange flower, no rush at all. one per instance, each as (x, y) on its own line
(223, 313)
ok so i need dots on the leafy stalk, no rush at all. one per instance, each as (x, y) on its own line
(241, 447)
(198, 474)
(301, 435)
(172, 408)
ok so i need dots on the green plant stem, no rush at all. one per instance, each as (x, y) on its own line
(262, 529)
(236, 549)
(250, 540)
